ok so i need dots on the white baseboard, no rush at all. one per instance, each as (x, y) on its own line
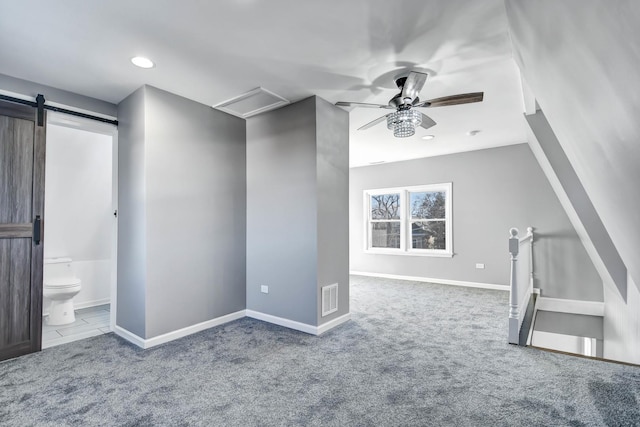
(432, 280)
(85, 304)
(333, 323)
(589, 308)
(129, 336)
(170, 336)
(281, 321)
(298, 326)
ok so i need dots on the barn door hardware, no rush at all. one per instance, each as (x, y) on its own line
(37, 230)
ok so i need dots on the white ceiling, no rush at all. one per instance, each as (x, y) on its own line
(339, 50)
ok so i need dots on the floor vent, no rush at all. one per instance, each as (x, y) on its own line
(251, 103)
(329, 299)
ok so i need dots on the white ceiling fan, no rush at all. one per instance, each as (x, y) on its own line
(405, 119)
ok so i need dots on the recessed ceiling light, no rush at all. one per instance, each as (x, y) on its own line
(473, 132)
(428, 137)
(142, 62)
(377, 162)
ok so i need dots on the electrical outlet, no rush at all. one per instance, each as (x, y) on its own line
(480, 266)
(264, 289)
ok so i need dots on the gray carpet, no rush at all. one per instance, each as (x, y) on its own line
(414, 354)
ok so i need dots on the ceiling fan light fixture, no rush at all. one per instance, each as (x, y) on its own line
(404, 122)
(404, 130)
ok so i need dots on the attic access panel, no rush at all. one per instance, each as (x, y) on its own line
(251, 103)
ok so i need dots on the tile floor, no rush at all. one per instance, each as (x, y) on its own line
(89, 322)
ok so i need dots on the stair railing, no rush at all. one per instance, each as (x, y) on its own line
(521, 286)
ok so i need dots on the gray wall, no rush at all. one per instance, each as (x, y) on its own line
(333, 203)
(196, 204)
(581, 61)
(281, 212)
(51, 94)
(297, 180)
(493, 190)
(579, 199)
(132, 247)
(193, 212)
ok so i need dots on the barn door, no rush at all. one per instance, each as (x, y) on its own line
(22, 155)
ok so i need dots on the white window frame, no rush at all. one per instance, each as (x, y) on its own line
(406, 220)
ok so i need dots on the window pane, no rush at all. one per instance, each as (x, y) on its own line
(428, 205)
(385, 235)
(429, 235)
(385, 206)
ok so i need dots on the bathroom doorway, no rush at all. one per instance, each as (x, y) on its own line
(81, 228)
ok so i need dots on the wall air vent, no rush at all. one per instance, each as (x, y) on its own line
(329, 299)
(254, 102)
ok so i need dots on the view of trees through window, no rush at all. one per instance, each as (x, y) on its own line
(410, 219)
(428, 220)
(385, 221)
(385, 206)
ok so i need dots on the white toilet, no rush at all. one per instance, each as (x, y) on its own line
(60, 286)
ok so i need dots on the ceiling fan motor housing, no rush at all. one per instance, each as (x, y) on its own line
(398, 102)
(400, 82)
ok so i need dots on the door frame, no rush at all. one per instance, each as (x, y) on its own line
(61, 119)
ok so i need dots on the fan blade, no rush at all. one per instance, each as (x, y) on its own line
(363, 104)
(373, 123)
(463, 98)
(413, 85)
(427, 122)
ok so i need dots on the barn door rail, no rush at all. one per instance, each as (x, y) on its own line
(40, 105)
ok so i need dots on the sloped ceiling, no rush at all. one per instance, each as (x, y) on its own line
(581, 62)
(339, 50)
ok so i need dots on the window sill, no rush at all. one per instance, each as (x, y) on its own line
(409, 253)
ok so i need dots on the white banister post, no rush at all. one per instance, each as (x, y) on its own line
(530, 233)
(514, 247)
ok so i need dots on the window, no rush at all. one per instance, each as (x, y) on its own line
(385, 220)
(410, 220)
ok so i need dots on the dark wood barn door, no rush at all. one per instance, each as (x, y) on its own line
(22, 156)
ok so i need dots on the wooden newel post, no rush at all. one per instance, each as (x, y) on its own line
(514, 247)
